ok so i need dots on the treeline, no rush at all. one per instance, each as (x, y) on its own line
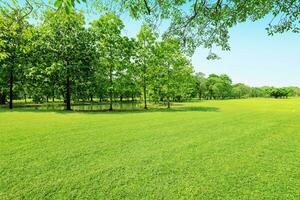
(221, 87)
(62, 58)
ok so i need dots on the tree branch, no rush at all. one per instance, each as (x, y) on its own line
(147, 7)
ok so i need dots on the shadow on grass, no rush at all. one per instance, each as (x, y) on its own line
(118, 111)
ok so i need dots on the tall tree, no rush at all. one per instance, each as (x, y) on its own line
(173, 71)
(72, 46)
(145, 56)
(14, 39)
(110, 42)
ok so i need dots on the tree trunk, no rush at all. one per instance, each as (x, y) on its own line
(68, 94)
(47, 99)
(168, 100)
(111, 90)
(91, 98)
(53, 93)
(132, 98)
(25, 98)
(121, 98)
(145, 97)
(11, 89)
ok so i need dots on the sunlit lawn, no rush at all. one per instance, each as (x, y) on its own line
(232, 149)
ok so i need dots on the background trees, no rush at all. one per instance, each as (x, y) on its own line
(221, 87)
(61, 57)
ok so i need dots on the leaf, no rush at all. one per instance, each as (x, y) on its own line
(68, 9)
(58, 3)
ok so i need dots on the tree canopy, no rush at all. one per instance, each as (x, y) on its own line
(203, 22)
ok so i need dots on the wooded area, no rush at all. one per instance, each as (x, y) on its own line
(61, 58)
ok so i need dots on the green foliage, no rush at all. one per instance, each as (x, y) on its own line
(70, 48)
(15, 39)
(114, 52)
(280, 92)
(221, 87)
(145, 58)
(172, 77)
(203, 22)
(60, 57)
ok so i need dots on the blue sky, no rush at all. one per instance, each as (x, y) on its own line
(255, 58)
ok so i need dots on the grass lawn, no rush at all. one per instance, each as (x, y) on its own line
(232, 149)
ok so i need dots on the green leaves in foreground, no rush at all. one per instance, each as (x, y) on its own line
(68, 5)
(203, 22)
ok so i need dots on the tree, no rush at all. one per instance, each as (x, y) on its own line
(226, 86)
(173, 71)
(72, 46)
(145, 55)
(240, 90)
(126, 82)
(14, 39)
(280, 92)
(218, 86)
(199, 80)
(110, 42)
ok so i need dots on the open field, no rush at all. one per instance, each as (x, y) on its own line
(233, 149)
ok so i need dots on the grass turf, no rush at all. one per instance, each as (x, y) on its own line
(234, 149)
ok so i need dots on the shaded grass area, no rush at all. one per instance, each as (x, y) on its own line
(126, 107)
(237, 149)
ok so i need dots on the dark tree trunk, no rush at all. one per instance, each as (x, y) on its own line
(68, 94)
(145, 97)
(145, 89)
(11, 89)
(91, 98)
(111, 90)
(53, 93)
(132, 98)
(47, 98)
(25, 98)
(121, 98)
(168, 100)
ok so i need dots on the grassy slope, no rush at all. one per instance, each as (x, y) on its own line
(247, 149)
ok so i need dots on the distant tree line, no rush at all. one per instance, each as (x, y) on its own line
(221, 87)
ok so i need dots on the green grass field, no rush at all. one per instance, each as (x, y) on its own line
(232, 149)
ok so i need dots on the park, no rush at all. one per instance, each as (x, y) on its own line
(112, 100)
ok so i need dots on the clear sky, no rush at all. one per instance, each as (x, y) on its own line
(255, 58)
